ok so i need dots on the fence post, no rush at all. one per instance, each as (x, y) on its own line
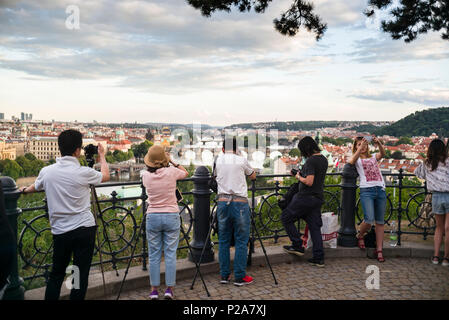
(347, 232)
(201, 221)
(15, 289)
(400, 209)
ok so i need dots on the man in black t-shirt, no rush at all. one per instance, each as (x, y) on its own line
(315, 166)
(306, 204)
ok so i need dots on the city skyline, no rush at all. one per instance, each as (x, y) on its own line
(161, 61)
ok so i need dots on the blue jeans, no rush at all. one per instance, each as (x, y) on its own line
(374, 204)
(234, 216)
(163, 235)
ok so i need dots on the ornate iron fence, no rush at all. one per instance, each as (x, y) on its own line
(123, 218)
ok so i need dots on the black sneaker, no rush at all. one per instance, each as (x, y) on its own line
(244, 281)
(294, 250)
(316, 262)
(225, 280)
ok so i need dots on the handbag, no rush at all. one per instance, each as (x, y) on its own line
(370, 238)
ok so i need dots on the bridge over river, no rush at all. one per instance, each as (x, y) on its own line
(118, 168)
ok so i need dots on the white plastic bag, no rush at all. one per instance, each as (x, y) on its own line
(329, 231)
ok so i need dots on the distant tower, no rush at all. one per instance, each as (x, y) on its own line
(119, 135)
(166, 132)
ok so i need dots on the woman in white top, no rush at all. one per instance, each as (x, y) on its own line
(435, 169)
(372, 191)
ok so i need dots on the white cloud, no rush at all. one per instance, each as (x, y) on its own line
(434, 97)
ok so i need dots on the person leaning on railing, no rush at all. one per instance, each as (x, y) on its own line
(307, 203)
(162, 219)
(233, 211)
(67, 187)
(372, 191)
(435, 170)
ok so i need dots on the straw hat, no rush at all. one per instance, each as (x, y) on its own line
(156, 157)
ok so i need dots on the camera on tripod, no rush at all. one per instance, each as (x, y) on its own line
(90, 151)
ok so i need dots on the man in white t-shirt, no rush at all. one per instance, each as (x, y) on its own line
(67, 187)
(233, 211)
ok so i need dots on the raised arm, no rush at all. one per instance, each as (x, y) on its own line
(178, 166)
(381, 153)
(357, 154)
(104, 165)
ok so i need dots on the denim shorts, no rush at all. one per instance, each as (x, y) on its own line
(440, 202)
(374, 203)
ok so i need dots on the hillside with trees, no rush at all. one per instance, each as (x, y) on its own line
(420, 123)
(294, 125)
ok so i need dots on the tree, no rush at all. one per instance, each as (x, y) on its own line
(404, 140)
(300, 14)
(26, 165)
(413, 17)
(397, 155)
(410, 17)
(12, 169)
(140, 150)
(294, 153)
(149, 135)
(30, 156)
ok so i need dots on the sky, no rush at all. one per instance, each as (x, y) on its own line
(161, 61)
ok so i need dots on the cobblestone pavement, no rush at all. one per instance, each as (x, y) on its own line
(341, 279)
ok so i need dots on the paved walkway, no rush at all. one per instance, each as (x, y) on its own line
(342, 278)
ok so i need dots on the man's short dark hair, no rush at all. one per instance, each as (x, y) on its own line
(308, 147)
(69, 141)
(230, 144)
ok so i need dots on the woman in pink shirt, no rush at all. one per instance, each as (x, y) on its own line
(163, 221)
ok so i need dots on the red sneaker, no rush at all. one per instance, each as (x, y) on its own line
(244, 281)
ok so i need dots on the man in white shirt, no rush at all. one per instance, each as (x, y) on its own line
(67, 187)
(233, 211)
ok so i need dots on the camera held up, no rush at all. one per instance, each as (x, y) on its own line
(90, 152)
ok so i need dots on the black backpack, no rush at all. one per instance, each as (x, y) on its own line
(287, 198)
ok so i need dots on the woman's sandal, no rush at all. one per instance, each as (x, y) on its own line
(435, 260)
(445, 264)
(360, 241)
(379, 255)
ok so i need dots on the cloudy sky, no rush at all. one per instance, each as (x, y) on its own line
(161, 61)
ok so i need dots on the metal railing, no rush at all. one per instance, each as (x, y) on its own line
(122, 216)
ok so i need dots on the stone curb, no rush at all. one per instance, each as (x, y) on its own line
(137, 278)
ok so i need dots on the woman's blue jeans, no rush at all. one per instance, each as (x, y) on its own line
(163, 235)
(233, 217)
(374, 203)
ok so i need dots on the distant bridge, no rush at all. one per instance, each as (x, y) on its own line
(123, 167)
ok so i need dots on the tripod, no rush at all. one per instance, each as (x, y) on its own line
(97, 212)
(142, 227)
(214, 219)
(97, 216)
